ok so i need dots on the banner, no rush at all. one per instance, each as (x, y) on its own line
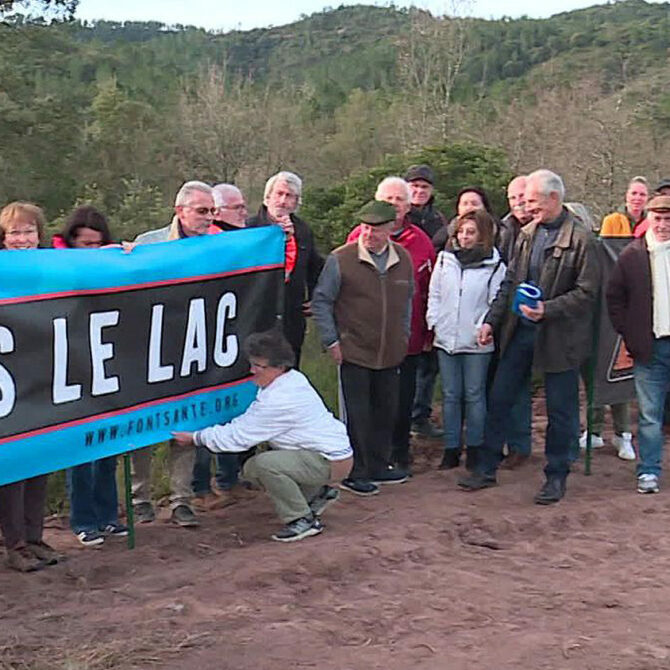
(102, 351)
(613, 375)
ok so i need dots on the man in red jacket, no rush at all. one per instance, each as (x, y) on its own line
(396, 192)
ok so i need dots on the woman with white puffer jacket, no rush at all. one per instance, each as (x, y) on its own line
(466, 279)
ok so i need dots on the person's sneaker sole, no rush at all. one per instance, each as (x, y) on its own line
(94, 542)
(357, 492)
(655, 489)
(381, 482)
(312, 530)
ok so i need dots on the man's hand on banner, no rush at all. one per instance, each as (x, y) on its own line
(533, 313)
(182, 438)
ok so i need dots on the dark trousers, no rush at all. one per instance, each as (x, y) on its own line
(93, 495)
(227, 470)
(562, 399)
(403, 422)
(426, 373)
(22, 511)
(370, 407)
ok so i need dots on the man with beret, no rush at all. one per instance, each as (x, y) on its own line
(638, 302)
(362, 306)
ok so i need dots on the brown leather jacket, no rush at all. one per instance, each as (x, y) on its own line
(570, 282)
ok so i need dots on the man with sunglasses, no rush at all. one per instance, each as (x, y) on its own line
(194, 213)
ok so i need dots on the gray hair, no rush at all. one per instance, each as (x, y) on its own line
(272, 346)
(292, 179)
(184, 193)
(548, 182)
(394, 181)
(221, 192)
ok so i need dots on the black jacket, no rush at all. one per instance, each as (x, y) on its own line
(303, 279)
(429, 219)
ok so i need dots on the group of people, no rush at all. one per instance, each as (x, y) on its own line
(409, 294)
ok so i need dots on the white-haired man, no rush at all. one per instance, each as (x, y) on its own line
(396, 192)
(555, 252)
(231, 207)
(194, 212)
(281, 199)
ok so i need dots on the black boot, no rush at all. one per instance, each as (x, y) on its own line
(471, 458)
(451, 459)
(552, 491)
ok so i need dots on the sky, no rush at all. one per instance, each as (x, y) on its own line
(225, 15)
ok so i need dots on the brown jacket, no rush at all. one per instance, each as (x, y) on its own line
(569, 281)
(364, 309)
(629, 296)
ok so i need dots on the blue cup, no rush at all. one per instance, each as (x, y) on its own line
(526, 294)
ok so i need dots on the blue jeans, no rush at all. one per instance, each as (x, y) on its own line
(562, 399)
(227, 470)
(651, 385)
(426, 372)
(463, 383)
(93, 497)
(518, 434)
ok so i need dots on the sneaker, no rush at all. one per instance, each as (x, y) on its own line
(44, 552)
(624, 445)
(326, 496)
(361, 487)
(144, 512)
(390, 476)
(90, 538)
(596, 441)
(183, 516)
(23, 560)
(115, 530)
(299, 529)
(647, 484)
(426, 428)
(476, 481)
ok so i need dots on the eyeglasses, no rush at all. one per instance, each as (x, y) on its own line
(203, 210)
(235, 208)
(260, 366)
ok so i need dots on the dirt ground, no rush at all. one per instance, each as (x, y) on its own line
(422, 576)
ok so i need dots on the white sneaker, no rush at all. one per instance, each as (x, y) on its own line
(596, 441)
(647, 484)
(624, 444)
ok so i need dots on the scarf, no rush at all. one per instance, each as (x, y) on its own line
(659, 259)
(474, 256)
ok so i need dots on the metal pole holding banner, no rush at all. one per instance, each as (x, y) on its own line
(590, 390)
(130, 516)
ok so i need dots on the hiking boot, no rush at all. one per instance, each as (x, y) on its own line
(90, 538)
(144, 512)
(596, 440)
(624, 445)
(551, 492)
(450, 459)
(43, 552)
(361, 487)
(647, 484)
(115, 530)
(183, 516)
(326, 496)
(23, 560)
(426, 428)
(476, 481)
(514, 460)
(390, 475)
(299, 529)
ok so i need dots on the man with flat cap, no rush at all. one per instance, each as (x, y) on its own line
(362, 306)
(638, 302)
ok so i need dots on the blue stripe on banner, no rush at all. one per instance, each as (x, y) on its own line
(47, 271)
(130, 430)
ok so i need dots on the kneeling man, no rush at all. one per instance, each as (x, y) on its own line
(309, 446)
